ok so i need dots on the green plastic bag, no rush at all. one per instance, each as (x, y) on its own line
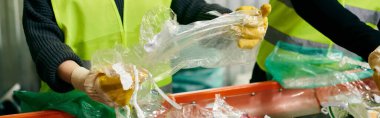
(74, 102)
(295, 66)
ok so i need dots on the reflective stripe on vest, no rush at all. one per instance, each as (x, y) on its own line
(286, 25)
(91, 25)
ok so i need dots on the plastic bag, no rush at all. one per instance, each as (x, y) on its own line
(74, 102)
(125, 80)
(210, 43)
(203, 43)
(146, 100)
(295, 66)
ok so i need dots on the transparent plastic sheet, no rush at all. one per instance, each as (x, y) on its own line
(295, 66)
(357, 98)
(211, 43)
(126, 81)
(127, 75)
(219, 109)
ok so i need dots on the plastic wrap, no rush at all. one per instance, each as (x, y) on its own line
(124, 80)
(219, 109)
(295, 66)
(356, 98)
(127, 75)
(212, 43)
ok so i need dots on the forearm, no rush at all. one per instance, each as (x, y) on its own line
(65, 70)
(340, 25)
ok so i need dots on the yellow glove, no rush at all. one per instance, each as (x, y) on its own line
(107, 89)
(112, 85)
(82, 79)
(374, 63)
(252, 32)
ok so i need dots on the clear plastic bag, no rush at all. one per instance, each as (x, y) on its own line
(125, 80)
(295, 66)
(211, 43)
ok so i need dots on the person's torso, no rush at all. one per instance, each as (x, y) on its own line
(90, 25)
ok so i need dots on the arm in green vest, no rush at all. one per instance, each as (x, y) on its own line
(346, 25)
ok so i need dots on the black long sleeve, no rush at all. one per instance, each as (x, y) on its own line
(340, 25)
(46, 40)
(189, 11)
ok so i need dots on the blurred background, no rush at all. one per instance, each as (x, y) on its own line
(16, 65)
(17, 68)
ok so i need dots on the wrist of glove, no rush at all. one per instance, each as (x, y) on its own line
(82, 79)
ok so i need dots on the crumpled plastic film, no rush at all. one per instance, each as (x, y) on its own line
(146, 100)
(127, 75)
(211, 43)
(296, 66)
(124, 80)
(358, 98)
(220, 109)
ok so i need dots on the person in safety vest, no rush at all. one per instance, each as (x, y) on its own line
(351, 24)
(63, 34)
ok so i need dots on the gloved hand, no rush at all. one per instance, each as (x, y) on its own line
(82, 79)
(106, 86)
(374, 63)
(253, 31)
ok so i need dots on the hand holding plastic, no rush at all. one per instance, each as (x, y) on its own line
(86, 81)
(252, 31)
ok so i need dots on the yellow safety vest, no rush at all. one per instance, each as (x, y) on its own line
(286, 25)
(91, 25)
